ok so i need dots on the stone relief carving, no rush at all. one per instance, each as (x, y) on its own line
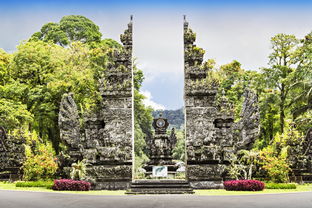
(12, 156)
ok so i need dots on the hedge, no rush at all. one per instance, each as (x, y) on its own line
(280, 186)
(243, 185)
(45, 184)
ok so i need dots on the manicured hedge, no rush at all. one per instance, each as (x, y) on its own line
(71, 185)
(243, 185)
(280, 186)
(45, 184)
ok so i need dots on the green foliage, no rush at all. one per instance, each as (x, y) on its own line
(282, 72)
(175, 117)
(179, 150)
(280, 186)
(14, 114)
(45, 184)
(275, 165)
(78, 170)
(40, 161)
(5, 60)
(243, 164)
(70, 29)
(142, 124)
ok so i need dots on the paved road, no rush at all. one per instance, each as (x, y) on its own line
(19, 199)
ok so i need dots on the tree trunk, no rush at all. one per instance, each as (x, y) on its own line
(282, 108)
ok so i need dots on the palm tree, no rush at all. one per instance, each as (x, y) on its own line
(250, 159)
(303, 102)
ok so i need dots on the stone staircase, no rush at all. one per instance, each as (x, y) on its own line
(163, 186)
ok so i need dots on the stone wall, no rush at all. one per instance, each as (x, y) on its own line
(211, 134)
(105, 140)
(12, 156)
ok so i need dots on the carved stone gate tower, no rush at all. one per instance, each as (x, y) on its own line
(104, 140)
(211, 134)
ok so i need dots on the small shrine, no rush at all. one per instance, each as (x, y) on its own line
(160, 148)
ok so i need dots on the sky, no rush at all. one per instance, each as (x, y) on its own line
(226, 30)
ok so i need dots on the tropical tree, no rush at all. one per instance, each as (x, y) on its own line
(71, 28)
(281, 73)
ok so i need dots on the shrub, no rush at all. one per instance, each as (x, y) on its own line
(40, 161)
(243, 185)
(277, 167)
(280, 186)
(71, 185)
(45, 184)
(78, 170)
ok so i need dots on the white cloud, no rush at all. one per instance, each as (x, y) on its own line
(225, 33)
(149, 102)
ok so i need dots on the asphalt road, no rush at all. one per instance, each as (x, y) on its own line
(19, 199)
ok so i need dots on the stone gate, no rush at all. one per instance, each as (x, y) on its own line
(105, 140)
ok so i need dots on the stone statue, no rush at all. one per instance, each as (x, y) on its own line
(249, 125)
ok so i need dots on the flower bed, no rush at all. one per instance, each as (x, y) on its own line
(243, 185)
(71, 185)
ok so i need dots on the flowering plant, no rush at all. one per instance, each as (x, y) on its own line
(243, 185)
(71, 185)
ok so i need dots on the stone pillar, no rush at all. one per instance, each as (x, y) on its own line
(211, 134)
(208, 130)
(115, 153)
(105, 141)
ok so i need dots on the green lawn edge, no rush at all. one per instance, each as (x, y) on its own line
(204, 192)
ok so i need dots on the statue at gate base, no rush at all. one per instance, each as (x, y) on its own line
(160, 147)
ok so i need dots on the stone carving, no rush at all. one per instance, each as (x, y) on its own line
(307, 147)
(249, 125)
(12, 156)
(160, 147)
(300, 157)
(211, 133)
(104, 139)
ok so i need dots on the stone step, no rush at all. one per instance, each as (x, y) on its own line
(160, 187)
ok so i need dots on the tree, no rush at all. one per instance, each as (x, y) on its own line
(302, 89)
(5, 60)
(281, 73)
(70, 29)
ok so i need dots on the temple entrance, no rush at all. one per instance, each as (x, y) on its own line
(161, 173)
(211, 135)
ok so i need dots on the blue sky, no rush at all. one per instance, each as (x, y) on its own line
(227, 30)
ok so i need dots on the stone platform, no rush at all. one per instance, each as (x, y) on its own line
(164, 186)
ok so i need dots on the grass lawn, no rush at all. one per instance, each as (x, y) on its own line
(300, 188)
(11, 186)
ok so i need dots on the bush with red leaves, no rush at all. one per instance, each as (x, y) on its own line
(70, 185)
(243, 185)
